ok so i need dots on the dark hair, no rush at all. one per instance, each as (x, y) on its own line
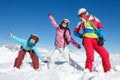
(61, 27)
(64, 34)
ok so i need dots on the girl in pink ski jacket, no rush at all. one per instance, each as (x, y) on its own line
(62, 39)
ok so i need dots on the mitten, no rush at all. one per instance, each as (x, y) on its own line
(100, 41)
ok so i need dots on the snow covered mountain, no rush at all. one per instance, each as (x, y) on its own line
(61, 71)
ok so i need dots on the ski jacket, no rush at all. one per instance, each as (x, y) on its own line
(26, 47)
(59, 39)
(89, 25)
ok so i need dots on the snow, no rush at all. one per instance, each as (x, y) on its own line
(61, 70)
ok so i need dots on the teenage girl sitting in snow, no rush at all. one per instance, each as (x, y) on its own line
(28, 46)
(62, 39)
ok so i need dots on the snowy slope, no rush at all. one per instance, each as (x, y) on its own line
(61, 71)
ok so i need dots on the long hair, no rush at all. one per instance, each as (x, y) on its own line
(61, 27)
(65, 29)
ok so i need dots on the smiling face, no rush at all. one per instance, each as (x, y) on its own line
(82, 14)
(32, 41)
(33, 38)
(64, 23)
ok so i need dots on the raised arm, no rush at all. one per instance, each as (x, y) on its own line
(21, 41)
(53, 21)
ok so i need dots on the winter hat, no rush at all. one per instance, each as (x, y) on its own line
(82, 10)
(61, 27)
(35, 37)
(66, 20)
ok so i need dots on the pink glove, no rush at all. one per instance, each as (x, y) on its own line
(49, 14)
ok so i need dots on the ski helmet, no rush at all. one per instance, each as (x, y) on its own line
(35, 37)
(81, 10)
(66, 20)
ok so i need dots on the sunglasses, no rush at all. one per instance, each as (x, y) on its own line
(65, 22)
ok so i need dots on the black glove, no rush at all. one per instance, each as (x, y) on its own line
(45, 61)
(100, 41)
(78, 46)
(67, 42)
(81, 36)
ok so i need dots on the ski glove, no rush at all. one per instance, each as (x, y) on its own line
(78, 34)
(67, 42)
(45, 61)
(49, 14)
(100, 41)
(78, 46)
(11, 34)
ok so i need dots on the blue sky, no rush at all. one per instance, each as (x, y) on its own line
(24, 17)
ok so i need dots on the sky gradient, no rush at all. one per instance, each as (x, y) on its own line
(24, 17)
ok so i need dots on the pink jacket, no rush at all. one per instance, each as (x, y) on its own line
(59, 39)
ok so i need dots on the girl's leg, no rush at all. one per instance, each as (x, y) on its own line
(88, 45)
(104, 55)
(19, 59)
(54, 55)
(65, 54)
(35, 60)
(53, 58)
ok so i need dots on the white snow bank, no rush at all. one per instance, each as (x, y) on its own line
(61, 71)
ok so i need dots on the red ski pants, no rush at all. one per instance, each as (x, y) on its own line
(19, 59)
(90, 44)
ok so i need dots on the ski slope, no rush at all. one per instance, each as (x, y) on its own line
(61, 70)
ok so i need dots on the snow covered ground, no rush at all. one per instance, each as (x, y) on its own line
(61, 70)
